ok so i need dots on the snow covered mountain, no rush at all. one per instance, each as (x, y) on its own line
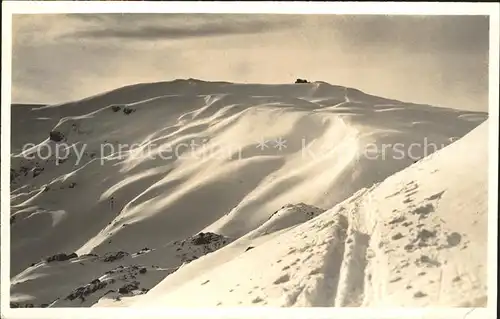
(193, 193)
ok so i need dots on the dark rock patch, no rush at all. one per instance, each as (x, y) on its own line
(397, 220)
(427, 260)
(61, 257)
(395, 279)
(454, 239)
(409, 247)
(419, 294)
(128, 110)
(424, 211)
(436, 196)
(301, 81)
(84, 291)
(205, 238)
(111, 257)
(128, 288)
(144, 251)
(397, 236)
(56, 136)
(423, 237)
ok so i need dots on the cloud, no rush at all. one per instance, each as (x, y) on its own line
(175, 26)
(416, 33)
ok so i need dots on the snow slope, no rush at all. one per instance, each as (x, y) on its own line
(416, 239)
(293, 164)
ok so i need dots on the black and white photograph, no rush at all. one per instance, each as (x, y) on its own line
(170, 159)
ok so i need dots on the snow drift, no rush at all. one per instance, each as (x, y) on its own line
(193, 193)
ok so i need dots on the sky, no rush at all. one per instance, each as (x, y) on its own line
(437, 60)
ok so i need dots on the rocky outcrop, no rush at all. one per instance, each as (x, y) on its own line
(301, 81)
(61, 257)
(56, 136)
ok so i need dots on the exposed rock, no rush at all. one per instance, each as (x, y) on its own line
(397, 220)
(301, 81)
(206, 238)
(424, 236)
(424, 211)
(397, 236)
(56, 136)
(128, 110)
(427, 260)
(110, 257)
(61, 257)
(454, 239)
(82, 292)
(128, 288)
(409, 247)
(396, 279)
(419, 294)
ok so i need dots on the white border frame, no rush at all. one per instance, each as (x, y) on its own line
(395, 8)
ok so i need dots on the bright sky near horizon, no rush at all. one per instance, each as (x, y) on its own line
(439, 60)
